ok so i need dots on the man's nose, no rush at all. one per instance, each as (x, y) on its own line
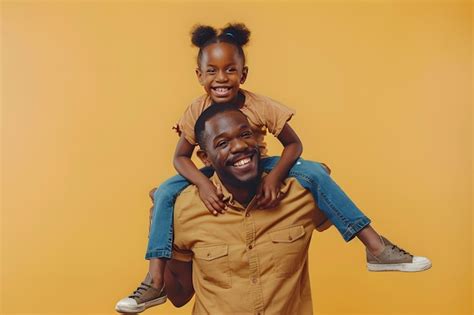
(238, 145)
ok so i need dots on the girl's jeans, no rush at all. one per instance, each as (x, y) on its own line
(332, 201)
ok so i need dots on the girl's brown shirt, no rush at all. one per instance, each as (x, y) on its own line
(262, 112)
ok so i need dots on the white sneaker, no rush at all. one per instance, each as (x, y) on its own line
(145, 296)
(393, 258)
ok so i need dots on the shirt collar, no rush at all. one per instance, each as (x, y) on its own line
(229, 199)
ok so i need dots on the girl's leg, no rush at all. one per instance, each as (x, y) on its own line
(349, 219)
(331, 200)
(160, 240)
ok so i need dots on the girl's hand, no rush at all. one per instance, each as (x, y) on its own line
(212, 197)
(268, 194)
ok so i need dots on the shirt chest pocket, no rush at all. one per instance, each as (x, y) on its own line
(213, 264)
(289, 249)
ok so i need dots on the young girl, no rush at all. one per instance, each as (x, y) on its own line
(221, 70)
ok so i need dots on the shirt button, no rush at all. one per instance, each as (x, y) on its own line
(254, 280)
(250, 246)
(290, 238)
(247, 214)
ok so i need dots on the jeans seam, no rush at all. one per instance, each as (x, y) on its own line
(326, 199)
(355, 228)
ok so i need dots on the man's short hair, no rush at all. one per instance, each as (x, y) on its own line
(207, 114)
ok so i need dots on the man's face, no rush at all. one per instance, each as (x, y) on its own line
(231, 149)
(221, 72)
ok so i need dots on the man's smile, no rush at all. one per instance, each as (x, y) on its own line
(243, 163)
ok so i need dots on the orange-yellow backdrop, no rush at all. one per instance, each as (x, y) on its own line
(90, 90)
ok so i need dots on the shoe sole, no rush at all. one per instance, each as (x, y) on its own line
(404, 267)
(141, 307)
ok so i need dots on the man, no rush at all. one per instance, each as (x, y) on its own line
(250, 260)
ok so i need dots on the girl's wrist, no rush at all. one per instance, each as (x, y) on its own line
(277, 175)
(203, 182)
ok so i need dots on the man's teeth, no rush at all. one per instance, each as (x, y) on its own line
(242, 162)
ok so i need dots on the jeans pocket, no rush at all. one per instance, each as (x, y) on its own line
(213, 263)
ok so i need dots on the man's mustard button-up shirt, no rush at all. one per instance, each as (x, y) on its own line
(248, 260)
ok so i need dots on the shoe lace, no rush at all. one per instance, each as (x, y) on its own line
(139, 291)
(395, 247)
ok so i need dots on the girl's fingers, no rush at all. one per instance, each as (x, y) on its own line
(217, 207)
(265, 198)
(219, 191)
(217, 200)
(273, 199)
(259, 192)
(210, 207)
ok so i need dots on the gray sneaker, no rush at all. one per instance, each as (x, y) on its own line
(393, 258)
(143, 297)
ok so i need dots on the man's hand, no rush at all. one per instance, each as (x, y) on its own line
(212, 197)
(268, 194)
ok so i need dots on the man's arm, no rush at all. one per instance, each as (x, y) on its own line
(178, 282)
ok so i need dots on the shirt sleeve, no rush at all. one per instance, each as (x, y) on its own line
(276, 115)
(181, 239)
(182, 255)
(185, 125)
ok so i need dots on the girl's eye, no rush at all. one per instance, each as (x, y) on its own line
(231, 70)
(211, 70)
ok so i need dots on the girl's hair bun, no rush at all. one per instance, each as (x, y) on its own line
(200, 34)
(237, 33)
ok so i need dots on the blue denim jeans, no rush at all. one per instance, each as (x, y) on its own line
(331, 200)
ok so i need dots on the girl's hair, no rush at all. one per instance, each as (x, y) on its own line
(236, 34)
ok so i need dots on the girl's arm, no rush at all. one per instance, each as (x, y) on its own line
(182, 162)
(268, 194)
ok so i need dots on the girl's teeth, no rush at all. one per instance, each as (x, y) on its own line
(222, 90)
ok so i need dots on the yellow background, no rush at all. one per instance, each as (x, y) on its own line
(90, 90)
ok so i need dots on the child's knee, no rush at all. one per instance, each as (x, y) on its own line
(314, 170)
(326, 168)
(152, 194)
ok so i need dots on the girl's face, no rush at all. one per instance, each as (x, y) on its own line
(221, 72)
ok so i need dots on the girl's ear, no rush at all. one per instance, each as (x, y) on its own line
(243, 77)
(202, 155)
(199, 75)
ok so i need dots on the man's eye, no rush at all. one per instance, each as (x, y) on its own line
(221, 144)
(247, 134)
(211, 70)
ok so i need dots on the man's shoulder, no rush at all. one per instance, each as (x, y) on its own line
(291, 184)
(188, 204)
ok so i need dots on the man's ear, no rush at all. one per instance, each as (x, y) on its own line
(245, 72)
(202, 155)
(199, 75)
